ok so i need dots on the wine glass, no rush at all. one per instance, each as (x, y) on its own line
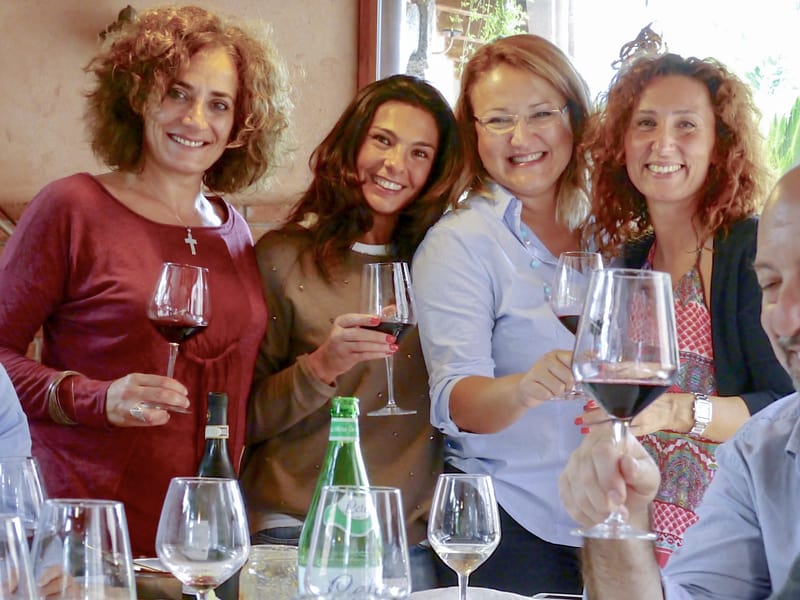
(179, 309)
(386, 292)
(464, 524)
(82, 551)
(202, 533)
(22, 492)
(626, 356)
(16, 574)
(358, 545)
(568, 292)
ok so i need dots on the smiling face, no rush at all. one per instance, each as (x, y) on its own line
(526, 161)
(394, 162)
(670, 140)
(188, 131)
(777, 267)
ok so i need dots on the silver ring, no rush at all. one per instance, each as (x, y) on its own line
(137, 413)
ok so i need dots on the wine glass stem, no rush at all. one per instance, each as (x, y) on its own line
(390, 380)
(619, 428)
(463, 581)
(201, 594)
(173, 355)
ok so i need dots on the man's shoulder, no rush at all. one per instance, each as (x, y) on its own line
(771, 430)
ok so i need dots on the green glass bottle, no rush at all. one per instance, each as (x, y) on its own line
(343, 465)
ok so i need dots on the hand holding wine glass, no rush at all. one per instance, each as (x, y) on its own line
(202, 533)
(464, 523)
(386, 292)
(179, 309)
(568, 293)
(626, 356)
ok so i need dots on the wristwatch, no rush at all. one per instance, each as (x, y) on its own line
(702, 414)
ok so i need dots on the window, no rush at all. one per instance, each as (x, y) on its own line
(755, 40)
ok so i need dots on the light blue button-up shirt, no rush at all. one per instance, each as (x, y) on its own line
(748, 533)
(480, 279)
(15, 437)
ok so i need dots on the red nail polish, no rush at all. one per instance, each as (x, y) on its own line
(584, 430)
(578, 421)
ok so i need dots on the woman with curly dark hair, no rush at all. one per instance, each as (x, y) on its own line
(677, 177)
(184, 106)
(385, 173)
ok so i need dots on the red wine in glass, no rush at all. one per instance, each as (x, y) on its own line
(398, 330)
(178, 330)
(624, 399)
(570, 322)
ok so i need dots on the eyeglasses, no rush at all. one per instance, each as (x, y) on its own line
(539, 119)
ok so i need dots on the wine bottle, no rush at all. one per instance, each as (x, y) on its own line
(216, 462)
(342, 465)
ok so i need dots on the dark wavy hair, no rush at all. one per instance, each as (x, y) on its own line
(738, 176)
(139, 62)
(341, 215)
(542, 58)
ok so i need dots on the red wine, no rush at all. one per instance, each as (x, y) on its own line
(570, 322)
(398, 330)
(178, 330)
(624, 399)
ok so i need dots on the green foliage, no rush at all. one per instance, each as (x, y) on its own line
(783, 141)
(487, 21)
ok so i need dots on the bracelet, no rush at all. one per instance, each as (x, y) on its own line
(54, 408)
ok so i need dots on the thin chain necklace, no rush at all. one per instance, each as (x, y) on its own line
(188, 240)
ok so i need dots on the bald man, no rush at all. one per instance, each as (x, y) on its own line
(748, 535)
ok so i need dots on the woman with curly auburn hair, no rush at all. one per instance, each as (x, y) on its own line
(497, 355)
(184, 106)
(388, 169)
(677, 177)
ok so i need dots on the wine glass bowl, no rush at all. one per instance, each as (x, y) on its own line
(626, 356)
(82, 551)
(464, 523)
(386, 291)
(16, 573)
(22, 492)
(202, 533)
(179, 309)
(568, 293)
(358, 545)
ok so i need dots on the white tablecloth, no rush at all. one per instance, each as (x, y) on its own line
(473, 593)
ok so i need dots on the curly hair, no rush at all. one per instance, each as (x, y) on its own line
(737, 178)
(335, 197)
(542, 58)
(138, 63)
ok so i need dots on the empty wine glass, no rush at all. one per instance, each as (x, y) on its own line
(202, 534)
(626, 356)
(386, 292)
(82, 551)
(358, 545)
(464, 523)
(22, 492)
(180, 308)
(16, 574)
(568, 292)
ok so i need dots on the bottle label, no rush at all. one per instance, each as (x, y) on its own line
(216, 432)
(344, 430)
(351, 515)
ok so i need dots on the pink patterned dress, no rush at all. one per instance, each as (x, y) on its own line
(686, 463)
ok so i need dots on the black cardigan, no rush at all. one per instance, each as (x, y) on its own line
(744, 362)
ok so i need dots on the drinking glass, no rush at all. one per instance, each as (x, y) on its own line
(21, 491)
(202, 534)
(16, 575)
(386, 292)
(179, 309)
(626, 356)
(464, 523)
(82, 551)
(568, 292)
(358, 545)
(270, 572)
